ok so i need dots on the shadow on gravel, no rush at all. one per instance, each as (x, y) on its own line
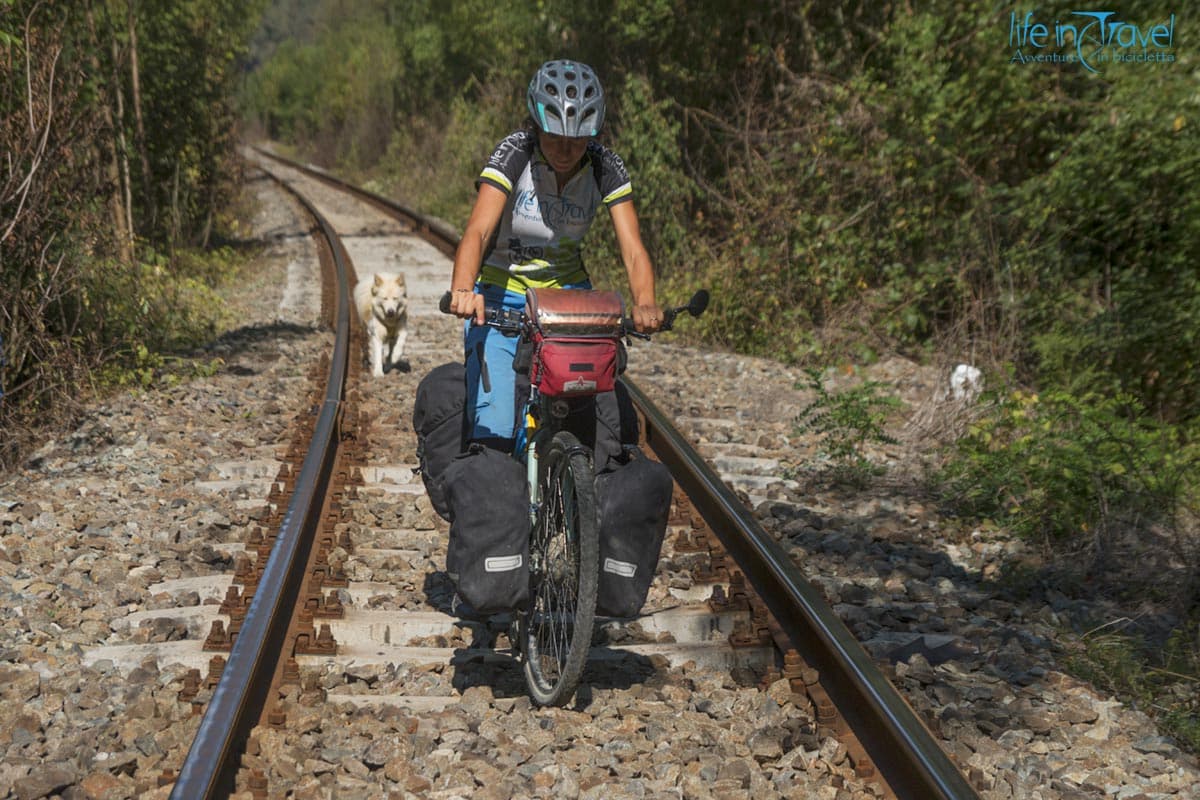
(501, 671)
(892, 590)
(998, 602)
(289, 228)
(486, 666)
(609, 668)
(1138, 580)
(250, 339)
(254, 334)
(491, 659)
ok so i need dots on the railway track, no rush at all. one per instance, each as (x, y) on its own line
(337, 600)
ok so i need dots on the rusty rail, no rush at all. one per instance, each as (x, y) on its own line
(210, 768)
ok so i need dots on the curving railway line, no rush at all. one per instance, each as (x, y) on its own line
(341, 577)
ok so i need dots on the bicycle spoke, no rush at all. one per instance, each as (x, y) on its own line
(558, 584)
(559, 622)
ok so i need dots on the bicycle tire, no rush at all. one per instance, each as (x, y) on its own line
(564, 552)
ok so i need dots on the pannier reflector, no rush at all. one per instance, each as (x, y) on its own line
(502, 563)
(621, 568)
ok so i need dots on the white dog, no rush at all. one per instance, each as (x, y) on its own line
(382, 303)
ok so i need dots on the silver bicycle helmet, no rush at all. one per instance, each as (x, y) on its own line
(565, 98)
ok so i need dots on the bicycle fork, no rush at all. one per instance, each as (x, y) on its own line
(531, 467)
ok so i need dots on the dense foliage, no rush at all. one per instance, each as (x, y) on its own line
(869, 176)
(117, 124)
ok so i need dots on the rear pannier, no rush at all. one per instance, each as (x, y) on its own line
(635, 503)
(440, 424)
(487, 556)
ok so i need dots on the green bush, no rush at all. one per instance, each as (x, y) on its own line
(1110, 290)
(846, 421)
(1058, 465)
(432, 162)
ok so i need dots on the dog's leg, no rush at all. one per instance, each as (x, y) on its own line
(389, 345)
(376, 351)
(398, 350)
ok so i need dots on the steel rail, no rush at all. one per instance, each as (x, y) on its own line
(898, 743)
(434, 231)
(210, 768)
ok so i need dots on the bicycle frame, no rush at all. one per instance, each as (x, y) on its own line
(531, 433)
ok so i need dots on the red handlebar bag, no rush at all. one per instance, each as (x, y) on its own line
(576, 337)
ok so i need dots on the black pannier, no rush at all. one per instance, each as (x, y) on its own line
(487, 556)
(635, 501)
(440, 425)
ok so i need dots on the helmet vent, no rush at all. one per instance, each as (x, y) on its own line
(565, 99)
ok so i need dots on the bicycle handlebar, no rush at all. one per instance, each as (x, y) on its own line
(506, 319)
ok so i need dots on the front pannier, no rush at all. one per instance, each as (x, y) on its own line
(576, 340)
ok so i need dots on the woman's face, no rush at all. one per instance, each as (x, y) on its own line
(562, 152)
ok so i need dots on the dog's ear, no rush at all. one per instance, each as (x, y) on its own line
(378, 279)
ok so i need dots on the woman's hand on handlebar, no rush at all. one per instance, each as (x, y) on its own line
(647, 318)
(466, 304)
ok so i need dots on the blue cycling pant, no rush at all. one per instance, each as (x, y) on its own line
(494, 395)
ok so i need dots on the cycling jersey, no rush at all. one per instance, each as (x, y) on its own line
(541, 230)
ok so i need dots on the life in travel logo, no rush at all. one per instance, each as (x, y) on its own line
(1091, 39)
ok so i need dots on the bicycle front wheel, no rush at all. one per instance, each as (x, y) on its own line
(564, 556)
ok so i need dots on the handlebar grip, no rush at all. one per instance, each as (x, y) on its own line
(629, 329)
(668, 321)
(444, 303)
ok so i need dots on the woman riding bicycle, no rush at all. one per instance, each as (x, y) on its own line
(537, 197)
